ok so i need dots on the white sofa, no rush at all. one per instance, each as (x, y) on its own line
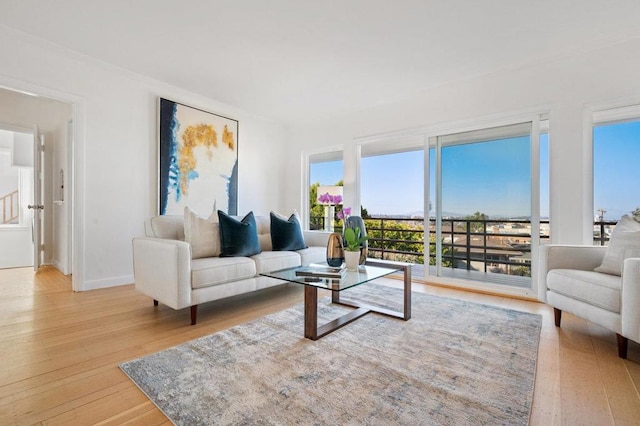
(165, 271)
(569, 283)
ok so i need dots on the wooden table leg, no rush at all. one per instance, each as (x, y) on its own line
(335, 297)
(407, 292)
(311, 312)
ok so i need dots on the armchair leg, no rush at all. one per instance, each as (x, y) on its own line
(557, 315)
(622, 346)
(155, 302)
(194, 314)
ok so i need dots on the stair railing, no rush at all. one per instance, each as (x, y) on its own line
(9, 205)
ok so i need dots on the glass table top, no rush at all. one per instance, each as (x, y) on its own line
(349, 279)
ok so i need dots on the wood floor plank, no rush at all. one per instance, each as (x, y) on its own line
(618, 384)
(61, 350)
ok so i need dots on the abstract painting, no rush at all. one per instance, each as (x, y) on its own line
(198, 164)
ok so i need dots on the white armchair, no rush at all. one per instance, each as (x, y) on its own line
(569, 283)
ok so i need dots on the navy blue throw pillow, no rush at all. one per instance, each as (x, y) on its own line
(238, 238)
(286, 234)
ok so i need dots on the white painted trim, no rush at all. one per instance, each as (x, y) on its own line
(493, 288)
(535, 201)
(77, 167)
(426, 203)
(14, 128)
(587, 177)
(613, 110)
(108, 282)
(438, 185)
(356, 203)
(437, 129)
(392, 145)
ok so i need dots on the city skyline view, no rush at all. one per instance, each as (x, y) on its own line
(504, 169)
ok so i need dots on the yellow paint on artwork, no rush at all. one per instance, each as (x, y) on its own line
(228, 139)
(193, 136)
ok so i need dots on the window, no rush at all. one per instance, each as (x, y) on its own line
(462, 205)
(392, 202)
(616, 149)
(325, 169)
(483, 185)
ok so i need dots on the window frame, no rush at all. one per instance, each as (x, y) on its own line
(330, 153)
(609, 114)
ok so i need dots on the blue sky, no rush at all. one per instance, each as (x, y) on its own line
(616, 158)
(479, 177)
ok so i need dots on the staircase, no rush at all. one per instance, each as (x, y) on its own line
(10, 208)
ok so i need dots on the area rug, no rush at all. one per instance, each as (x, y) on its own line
(452, 363)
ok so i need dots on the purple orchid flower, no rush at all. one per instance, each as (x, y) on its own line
(344, 213)
(325, 198)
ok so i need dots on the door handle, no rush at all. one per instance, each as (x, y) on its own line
(35, 206)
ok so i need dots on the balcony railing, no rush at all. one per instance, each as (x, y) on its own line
(10, 208)
(602, 231)
(497, 246)
(501, 246)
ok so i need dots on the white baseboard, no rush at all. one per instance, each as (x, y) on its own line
(59, 266)
(107, 282)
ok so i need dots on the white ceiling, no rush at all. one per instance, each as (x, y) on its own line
(294, 60)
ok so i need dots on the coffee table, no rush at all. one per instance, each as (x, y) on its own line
(371, 270)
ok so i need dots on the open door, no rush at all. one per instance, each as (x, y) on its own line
(37, 206)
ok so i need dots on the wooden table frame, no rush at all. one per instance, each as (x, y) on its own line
(313, 332)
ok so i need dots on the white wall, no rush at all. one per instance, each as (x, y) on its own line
(59, 235)
(115, 120)
(565, 88)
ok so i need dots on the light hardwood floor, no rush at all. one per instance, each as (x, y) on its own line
(60, 352)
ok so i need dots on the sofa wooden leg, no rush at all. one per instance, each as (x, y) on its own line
(557, 316)
(194, 314)
(622, 346)
(155, 302)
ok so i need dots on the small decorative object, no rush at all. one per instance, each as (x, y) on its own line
(335, 253)
(356, 222)
(351, 259)
(353, 241)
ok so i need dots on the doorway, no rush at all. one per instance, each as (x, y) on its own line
(20, 112)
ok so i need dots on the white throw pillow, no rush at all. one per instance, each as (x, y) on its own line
(624, 243)
(202, 234)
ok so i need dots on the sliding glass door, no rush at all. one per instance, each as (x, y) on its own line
(482, 184)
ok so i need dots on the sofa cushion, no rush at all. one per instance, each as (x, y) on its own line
(269, 261)
(210, 271)
(286, 234)
(264, 232)
(624, 243)
(594, 288)
(170, 227)
(312, 255)
(238, 238)
(202, 234)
